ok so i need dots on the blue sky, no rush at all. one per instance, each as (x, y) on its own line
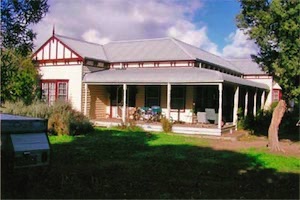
(207, 24)
(219, 16)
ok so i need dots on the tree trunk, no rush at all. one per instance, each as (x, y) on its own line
(274, 126)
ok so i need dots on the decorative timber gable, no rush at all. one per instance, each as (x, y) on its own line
(56, 52)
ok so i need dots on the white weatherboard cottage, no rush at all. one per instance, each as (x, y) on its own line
(105, 81)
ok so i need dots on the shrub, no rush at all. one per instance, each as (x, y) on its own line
(130, 126)
(261, 122)
(62, 118)
(59, 124)
(166, 125)
(36, 109)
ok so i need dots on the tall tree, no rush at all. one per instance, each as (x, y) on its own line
(19, 77)
(275, 28)
(17, 16)
(274, 25)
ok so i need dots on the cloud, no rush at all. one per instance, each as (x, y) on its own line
(114, 19)
(93, 35)
(108, 20)
(189, 33)
(239, 46)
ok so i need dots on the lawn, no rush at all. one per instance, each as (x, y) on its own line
(110, 163)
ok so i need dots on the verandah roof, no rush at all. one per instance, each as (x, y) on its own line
(178, 75)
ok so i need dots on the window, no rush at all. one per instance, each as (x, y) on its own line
(178, 97)
(116, 95)
(53, 90)
(275, 95)
(152, 96)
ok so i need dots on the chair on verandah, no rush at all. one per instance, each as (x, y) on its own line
(211, 115)
(201, 117)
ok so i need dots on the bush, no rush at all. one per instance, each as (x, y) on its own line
(62, 118)
(261, 122)
(130, 126)
(36, 109)
(166, 125)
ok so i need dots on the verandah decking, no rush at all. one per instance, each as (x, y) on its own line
(186, 128)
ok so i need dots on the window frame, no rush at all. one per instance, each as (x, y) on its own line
(182, 97)
(147, 97)
(50, 83)
(276, 95)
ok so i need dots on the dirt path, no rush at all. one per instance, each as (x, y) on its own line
(246, 142)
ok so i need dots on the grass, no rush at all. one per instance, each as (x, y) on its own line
(276, 162)
(110, 163)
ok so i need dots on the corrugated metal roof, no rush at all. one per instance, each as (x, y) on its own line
(200, 54)
(247, 66)
(145, 50)
(176, 75)
(158, 49)
(83, 48)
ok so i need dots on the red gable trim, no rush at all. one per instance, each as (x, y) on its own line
(49, 41)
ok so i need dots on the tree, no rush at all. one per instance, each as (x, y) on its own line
(17, 16)
(275, 28)
(274, 126)
(19, 77)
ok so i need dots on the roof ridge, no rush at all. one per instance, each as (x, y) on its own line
(201, 49)
(80, 40)
(206, 52)
(138, 40)
(181, 47)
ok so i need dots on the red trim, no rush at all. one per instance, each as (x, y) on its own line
(50, 50)
(56, 49)
(56, 82)
(157, 67)
(65, 60)
(52, 38)
(58, 64)
(157, 61)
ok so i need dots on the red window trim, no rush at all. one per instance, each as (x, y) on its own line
(56, 81)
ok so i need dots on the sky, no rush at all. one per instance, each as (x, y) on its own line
(207, 24)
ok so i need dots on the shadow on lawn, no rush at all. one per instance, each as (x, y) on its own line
(117, 164)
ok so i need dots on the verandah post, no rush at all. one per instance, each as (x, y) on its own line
(254, 106)
(168, 100)
(236, 106)
(246, 104)
(124, 103)
(263, 96)
(85, 100)
(220, 106)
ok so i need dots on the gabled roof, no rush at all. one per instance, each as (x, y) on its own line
(157, 49)
(178, 75)
(84, 48)
(247, 66)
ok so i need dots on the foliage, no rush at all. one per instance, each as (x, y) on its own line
(36, 109)
(62, 118)
(17, 18)
(275, 28)
(166, 125)
(260, 123)
(19, 77)
(129, 126)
